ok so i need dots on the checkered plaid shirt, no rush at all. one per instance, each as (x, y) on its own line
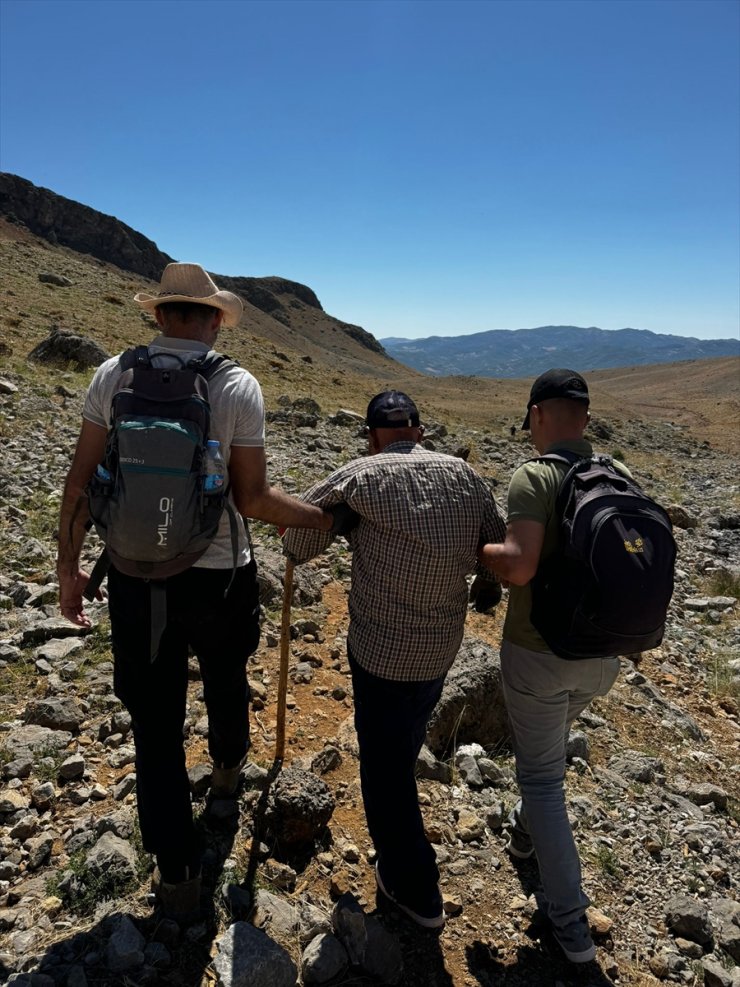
(423, 516)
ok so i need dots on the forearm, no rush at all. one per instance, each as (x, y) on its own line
(515, 560)
(506, 562)
(277, 507)
(73, 518)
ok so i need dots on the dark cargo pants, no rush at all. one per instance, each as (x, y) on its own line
(222, 633)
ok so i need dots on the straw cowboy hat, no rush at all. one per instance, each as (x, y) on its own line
(190, 283)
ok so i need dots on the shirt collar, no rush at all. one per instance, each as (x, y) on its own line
(175, 343)
(580, 446)
(402, 445)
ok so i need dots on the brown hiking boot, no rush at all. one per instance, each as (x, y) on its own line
(225, 781)
(181, 901)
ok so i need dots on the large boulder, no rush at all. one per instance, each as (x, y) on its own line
(64, 346)
(299, 807)
(471, 709)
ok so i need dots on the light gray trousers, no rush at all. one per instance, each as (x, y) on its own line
(544, 695)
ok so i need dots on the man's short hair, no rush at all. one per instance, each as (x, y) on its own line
(187, 311)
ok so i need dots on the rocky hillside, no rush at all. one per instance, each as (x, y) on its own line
(653, 780)
(527, 352)
(289, 313)
(653, 776)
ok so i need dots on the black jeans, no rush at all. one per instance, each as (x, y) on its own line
(222, 633)
(391, 720)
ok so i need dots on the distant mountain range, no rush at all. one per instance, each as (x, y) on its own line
(290, 315)
(524, 352)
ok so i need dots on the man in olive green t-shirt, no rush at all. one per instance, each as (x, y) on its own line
(544, 693)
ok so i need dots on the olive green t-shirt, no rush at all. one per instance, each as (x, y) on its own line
(532, 494)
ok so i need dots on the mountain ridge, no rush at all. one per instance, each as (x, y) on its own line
(513, 353)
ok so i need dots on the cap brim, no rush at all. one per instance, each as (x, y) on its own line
(525, 423)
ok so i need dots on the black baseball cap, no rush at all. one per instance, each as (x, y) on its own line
(557, 384)
(392, 409)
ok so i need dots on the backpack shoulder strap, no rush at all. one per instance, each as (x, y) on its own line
(137, 356)
(209, 365)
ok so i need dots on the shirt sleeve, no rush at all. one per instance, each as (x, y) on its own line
(249, 422)
(302, 544)
(96, 408)
(493, 528)
(532, 492)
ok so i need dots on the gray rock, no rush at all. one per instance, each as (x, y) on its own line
(20, 767)
(704, 793)
(43, 796)
(725, 918)
(427, 766)
(199, 777)
(323, 959)
(39, 850)
(44, 630)
(471, 708)
(20, 740)
(276, 915)
(157, 955)
(57, 649)
(299, 807)
(248, 958)
(125, 949)
(120, 823)
(688, 918)
(72, 767)
(578, 746)
(327, 759)
(715, 975)
(368, 944)
(492, 773)
(636, 767)
(467, 766)
(681, 518)
(47, 277)
(56, 714)
(63, 346)
(111, 854)
(124, 787)
(11, 800)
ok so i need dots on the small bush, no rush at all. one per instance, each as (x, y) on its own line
(723, 583)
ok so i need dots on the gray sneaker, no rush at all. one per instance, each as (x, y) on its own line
(520, 844)
(575, 941)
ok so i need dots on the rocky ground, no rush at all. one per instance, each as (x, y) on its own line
(653, 779)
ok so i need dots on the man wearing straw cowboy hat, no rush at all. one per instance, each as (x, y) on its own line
(217, 620)
(422, 517)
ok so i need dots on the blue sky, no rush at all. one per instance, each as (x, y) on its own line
(428, 168)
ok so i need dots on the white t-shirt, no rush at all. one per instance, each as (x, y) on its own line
(237, 419)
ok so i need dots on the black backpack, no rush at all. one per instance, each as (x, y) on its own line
(147, 498)
(606, 589)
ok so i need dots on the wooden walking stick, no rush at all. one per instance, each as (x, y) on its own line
(284, 659)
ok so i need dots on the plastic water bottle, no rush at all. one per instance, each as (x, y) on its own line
(102, 474)
(214, 468)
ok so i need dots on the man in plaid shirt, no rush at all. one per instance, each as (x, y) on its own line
(421, 517)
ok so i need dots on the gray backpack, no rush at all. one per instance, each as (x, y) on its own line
(147, 499)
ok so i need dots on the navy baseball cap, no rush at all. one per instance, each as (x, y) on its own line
(392, 409)
(559, 383)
